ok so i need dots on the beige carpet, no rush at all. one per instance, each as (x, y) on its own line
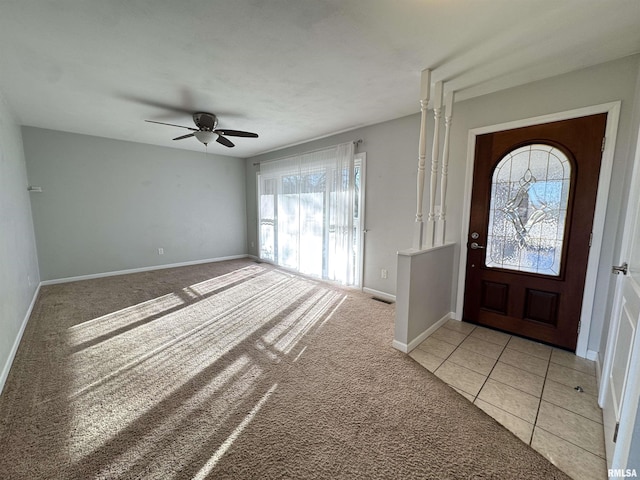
(235, 370)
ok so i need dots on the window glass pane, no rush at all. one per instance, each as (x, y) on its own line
(288, 230)
(527, 215)
(267, 219)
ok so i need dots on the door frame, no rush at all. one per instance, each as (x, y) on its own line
(362, 156)
(631, 397)
(612, 109)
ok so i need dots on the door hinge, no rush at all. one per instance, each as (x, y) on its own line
(604, 141)
(579, 325)
(590, 239)
(615, 432)
(620, 269)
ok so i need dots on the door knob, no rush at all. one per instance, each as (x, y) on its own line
(475, 246)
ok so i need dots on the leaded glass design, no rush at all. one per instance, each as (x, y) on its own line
(528, 212)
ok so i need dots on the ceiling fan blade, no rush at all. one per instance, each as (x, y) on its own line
(224, 141)
(172, 125)
(236, 133)
(184, 136)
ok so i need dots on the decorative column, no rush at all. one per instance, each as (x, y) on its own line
(431, 221)
(448, 118)
(425, 86)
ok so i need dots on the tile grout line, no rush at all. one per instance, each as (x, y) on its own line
(452, 351)
(575, 413)
(519, 389)
(539, 399)
(460, 346)
(462, 366)
(574, 369)
(504, 347)
(490, 371)
(544, 384)
(571, 443)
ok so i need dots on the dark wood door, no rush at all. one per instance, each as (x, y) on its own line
(533, 200)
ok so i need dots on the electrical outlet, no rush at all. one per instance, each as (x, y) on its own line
(383, 273)
(161, 251)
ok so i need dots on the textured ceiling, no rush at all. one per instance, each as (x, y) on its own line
(290, 70)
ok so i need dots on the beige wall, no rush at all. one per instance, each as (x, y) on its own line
(19, 276)
(392, 163)
(108, 205)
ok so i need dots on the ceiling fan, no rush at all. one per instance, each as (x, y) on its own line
(206, 131)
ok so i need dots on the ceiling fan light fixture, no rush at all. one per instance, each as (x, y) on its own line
(204, 136)
(206, 131)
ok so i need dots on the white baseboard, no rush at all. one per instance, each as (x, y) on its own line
(16, 343)
(598, 368)
(592, 355)
(142, 269)
(406, 348)
(379, 294)
(400, 346)
(423, 336)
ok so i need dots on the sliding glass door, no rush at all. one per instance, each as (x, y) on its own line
(310, 213)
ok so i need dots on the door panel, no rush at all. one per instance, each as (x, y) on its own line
(533, 199)
(627, 325)
(620, 386)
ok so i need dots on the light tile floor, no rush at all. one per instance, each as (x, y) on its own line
(526, 386)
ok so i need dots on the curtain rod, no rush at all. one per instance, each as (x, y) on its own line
(355, 142)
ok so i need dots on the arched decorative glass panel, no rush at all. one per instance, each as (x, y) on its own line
(529, 197)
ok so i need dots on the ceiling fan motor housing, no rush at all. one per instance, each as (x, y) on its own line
(205, 121)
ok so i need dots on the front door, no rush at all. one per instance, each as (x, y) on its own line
(533, 200)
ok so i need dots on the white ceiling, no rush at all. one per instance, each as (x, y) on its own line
(290, 70)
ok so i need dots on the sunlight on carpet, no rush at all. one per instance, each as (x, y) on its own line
(234, 370)
(210, 465)
(228, 387)
(135, 359)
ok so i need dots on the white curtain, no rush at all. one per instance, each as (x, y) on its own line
(306, 213)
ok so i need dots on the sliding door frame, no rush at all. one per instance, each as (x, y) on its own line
(358, 159)
(362, 158)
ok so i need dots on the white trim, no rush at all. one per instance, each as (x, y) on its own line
(378, 293)
(598, 370)
(599, 217)
(400, 346)
(592, 355)
(412, 252)
(362, 156)
(404, 348)
(16, 343)
(142, 269)
(612, 109)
